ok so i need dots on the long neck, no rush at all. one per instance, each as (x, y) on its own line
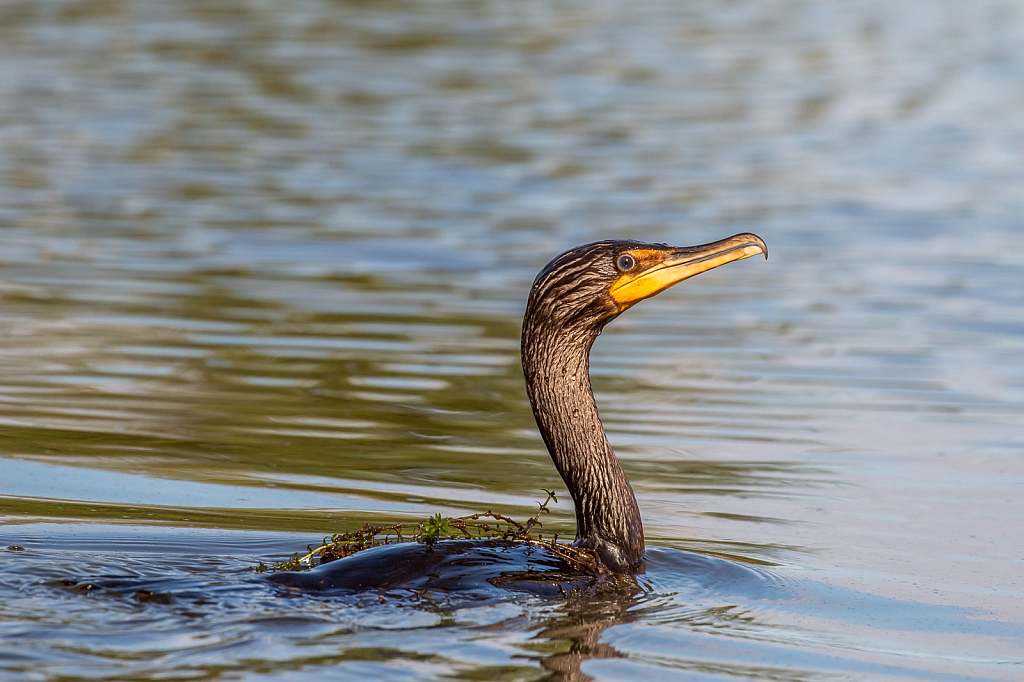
(557, 368)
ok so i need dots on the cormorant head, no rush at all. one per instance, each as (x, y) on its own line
(582, 290)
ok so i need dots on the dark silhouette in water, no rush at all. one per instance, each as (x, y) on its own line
(471, 567)
(571, 301)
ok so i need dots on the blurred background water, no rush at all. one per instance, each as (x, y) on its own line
(262, 266)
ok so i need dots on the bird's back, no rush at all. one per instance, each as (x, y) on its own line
(465, 566)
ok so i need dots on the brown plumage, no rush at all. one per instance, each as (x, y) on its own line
(571, 301)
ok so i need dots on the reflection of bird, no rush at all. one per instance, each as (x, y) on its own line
(571, 301)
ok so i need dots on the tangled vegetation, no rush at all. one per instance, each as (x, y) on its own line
(436, 529)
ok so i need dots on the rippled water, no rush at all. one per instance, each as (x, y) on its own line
(261, 273)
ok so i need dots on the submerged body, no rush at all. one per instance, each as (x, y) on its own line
(570, 302)
(474, 567)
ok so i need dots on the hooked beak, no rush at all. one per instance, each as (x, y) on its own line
(654, 275)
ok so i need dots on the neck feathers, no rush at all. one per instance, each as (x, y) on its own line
(556, 363)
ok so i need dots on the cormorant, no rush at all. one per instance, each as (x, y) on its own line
(571, 301)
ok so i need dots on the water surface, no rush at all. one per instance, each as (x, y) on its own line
(261, 273)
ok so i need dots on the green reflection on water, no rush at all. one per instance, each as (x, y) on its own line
(288, 244)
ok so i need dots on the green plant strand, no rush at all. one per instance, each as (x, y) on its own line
(435, 529)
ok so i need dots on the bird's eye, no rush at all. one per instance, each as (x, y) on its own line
(625, 262)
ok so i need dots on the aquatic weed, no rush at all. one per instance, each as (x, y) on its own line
(436, 529)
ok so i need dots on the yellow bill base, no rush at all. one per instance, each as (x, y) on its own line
(675, 266)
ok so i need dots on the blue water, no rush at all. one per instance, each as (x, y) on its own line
(262, 269)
